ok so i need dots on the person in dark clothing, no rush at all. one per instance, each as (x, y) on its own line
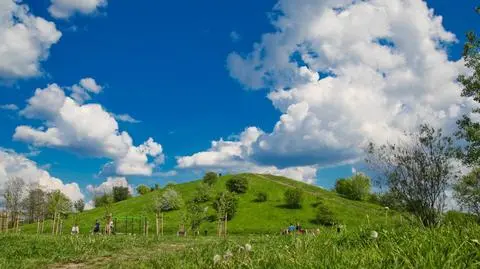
(96, 229)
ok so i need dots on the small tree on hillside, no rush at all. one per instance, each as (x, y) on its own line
(120, 193)
(142, 189)
(417, 171)
(210, 178)
(35, 204)
(237, 184)
(196, 214)
(467, 192)
(14, 191)
(356, 187)
(293, 198)
(169, 200)
(101, 200)
(261, 197)
(226, 204)
(324, 216)
(203, 193)
(79, 205)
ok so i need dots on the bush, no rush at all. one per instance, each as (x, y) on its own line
(142, 189)
(226, 203)
(103, 200)
(237, 184)
(169, 200)
(356, 187)
(324, 216)
(459, 219)
(293, 198)
(210, 178)
(202, 193)
(79, 205)
(120, 193)
(261, 197)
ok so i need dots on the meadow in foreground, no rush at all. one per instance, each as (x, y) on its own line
(400, 247)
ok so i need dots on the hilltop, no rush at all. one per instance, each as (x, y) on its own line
(251, 217)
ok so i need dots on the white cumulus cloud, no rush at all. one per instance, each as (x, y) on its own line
(86, 129)
(344, 73)
(63, 9)
(13, 165)
(25, 40)
(11, 107)
(107, 186)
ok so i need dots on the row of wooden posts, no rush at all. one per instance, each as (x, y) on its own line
(9, 223)
(6, 225)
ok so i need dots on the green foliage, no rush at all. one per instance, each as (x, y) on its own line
(467, 192)
(203, 193)
(79, 205)
(57, 202)
(237, 184)
(261, 197)
(210, 178)
(103, 200)
(459, 219)
(324, 216)
(226, 203)
(356, 187)
(196, 214)
(418, 172)
(35, 204)
(143, 189)
(120, 193)
(293, 198)
(168, 200)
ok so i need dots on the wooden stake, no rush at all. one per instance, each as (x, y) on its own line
(156, 224)
(225, 225)
(43, 224)
(162, 224)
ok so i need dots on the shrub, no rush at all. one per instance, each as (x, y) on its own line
(459, 219)
(210, 178)
(356, 187)
(324, 216)
(237, 184)
(202, 193)
(142, 189)
(102, 200)
(169, 200)
(120, 193)
(226, 203)
(293, 198)
(79, 205)
(261, 197)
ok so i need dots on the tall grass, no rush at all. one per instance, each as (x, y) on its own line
(399, 247)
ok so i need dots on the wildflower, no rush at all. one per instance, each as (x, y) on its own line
(387, 208)
(216, 259)
(227, 255)
(248, 247)
(374, 235)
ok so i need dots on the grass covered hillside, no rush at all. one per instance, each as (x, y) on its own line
(252, 217)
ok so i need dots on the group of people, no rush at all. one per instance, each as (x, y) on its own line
(297, 229)
(96, 228)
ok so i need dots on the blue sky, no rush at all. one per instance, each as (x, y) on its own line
(169, 65)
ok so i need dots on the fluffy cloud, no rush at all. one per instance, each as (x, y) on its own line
(11, 107)
(235, 156)
(25, 40)
(86, 129)
(81, 92)
(107, 186)
(344, 73)
(63, 9)
(16, 165)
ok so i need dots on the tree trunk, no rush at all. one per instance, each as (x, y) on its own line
(162, 224)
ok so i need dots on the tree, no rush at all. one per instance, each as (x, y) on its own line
(469, 129)
(261, 197)
(293, 198)
(143, 189)
(196, 214)
(202, 193)
(237, 184)
(58, 203)
(14, 191)
(102, 200)
(35, 204)
(79, 205)
(324, 216)
(356, 187)
(226, 204)
(418, 171)
(210, 178)
(168, 200)
(467, 192)
(120, 193)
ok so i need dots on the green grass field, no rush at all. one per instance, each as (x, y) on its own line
(400, 244)
(402, 247)
(252, 217)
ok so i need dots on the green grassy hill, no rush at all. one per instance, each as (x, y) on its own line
(251, 217)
